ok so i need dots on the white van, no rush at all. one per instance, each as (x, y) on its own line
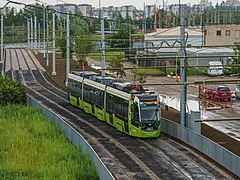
(215, 68)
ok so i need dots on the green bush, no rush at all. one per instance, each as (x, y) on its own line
(11, 92)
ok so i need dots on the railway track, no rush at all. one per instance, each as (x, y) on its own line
(126, 157)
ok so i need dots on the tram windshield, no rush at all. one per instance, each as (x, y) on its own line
(149, 113)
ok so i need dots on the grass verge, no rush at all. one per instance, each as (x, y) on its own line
(190, 71)
(34, 148)
(109, 56)
(147, 72)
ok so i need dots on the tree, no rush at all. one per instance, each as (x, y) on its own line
(116, 66)
(122, 36)
(236, 61)
(94, 25)
(79, 30)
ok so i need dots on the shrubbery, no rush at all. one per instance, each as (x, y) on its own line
(11, 92)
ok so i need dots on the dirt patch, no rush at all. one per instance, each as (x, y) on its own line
(60, 77)
(221, 138)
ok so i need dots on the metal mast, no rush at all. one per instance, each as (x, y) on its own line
(53, 47)
(68, 50)
(102, 42)
(183, 98)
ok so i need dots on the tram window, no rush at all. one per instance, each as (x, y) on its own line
(108, 102)
(87, 93)
(79, 89)
(135, 119)
(98, 97)
(115, 103)
(125, 110)
(118, 106)
(119, 109)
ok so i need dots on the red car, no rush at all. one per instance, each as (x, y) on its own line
(219, 92)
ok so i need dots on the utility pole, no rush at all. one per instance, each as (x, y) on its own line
(53, 47)
(102, 42)
(68, 50)
(183, 98)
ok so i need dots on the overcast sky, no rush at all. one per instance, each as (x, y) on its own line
(95, 3)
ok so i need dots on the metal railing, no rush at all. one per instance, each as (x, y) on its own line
(213, 150)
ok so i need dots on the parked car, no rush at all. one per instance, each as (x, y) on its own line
(237, 93)
(219, 92)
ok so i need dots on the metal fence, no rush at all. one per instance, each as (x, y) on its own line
(203, 144)
(75, 138)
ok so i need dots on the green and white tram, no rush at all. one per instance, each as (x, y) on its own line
(136, 114)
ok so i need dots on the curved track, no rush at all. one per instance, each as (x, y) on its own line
(126, 157)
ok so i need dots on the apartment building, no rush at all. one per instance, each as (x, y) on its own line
(128, 10)
(85, 9)
(174, 8)
(8, 10)
(149, 10)
(230, 3)
(221, 34)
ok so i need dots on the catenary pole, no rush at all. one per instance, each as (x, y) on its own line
(39, 36)
(53, 47)
(44, 28)
(44, 32)
(31, 24)
(102, 41)
(183, 98)
(28, 32)
(68, 50)
(33, 29)
(1, 38)
(35, 32)
(47, 57)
